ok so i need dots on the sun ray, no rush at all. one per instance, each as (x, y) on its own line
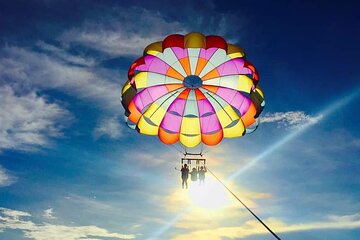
(328, 110)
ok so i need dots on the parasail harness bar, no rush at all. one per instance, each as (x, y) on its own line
(189, 161)
(193, 154)
(193, 159)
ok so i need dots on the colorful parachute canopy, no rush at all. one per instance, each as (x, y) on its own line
(192, 89)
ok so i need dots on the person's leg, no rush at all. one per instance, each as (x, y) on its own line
(186, 183)
(182, 184)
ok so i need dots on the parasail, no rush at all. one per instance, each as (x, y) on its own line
(192, 89)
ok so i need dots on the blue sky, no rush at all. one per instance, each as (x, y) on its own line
(71, 169)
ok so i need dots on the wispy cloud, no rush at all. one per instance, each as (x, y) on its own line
(19, 220)
(88, 202)
(6, 178)
(14, 214)
(108, 127)
(48, 214)
(29, 121)
(291, 119)
(26, 68)
(62, 54)
(125, 35)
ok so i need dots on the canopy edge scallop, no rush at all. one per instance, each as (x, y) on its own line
(194, 40)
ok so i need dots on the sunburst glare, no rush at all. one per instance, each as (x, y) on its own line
(209, 196)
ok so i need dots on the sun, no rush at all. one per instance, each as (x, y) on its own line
(209, 196)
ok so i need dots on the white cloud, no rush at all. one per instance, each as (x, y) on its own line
(88, 202)
(18, 220)
(48, 214)
(126, 35)
(28, 121)
(109, 127)
(6, 178)
(62, 54)
(14, 214)
(345, 218)
(292, 119)
(24, 68)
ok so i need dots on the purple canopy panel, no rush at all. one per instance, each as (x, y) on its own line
(228, 68)
(208, 119)
(148, 96)
(210, 52)
(141, 98)
(239, 63)
(145, 67)
(158, 91)
(173, 117)
(245, 105)
(210, 124)
(245, 70)
(171, 122)
(158, 66)
(179, 52)
(207, 53)
(153, 64)
(205, 107)
(202, 53)
(234, 98)
(177, 106)
(226, 93)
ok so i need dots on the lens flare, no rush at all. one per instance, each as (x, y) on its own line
(209, 196)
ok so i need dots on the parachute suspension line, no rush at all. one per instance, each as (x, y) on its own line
(252, 213)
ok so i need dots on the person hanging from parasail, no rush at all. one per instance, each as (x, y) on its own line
(184, 175)
(194, 175)
(202, 172)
